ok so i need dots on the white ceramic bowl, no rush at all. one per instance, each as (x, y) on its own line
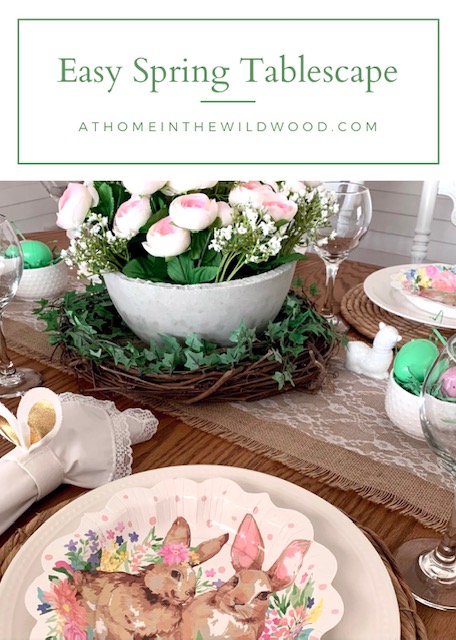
(402, 409)
(213, 311)
(46, 282)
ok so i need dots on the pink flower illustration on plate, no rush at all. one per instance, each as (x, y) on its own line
(444, 281)
(72, 631)
(62, 598)
(431, 270)
(174, 553)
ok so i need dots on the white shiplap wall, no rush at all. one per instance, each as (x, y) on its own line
(387, 242)
(395, 208)
(29, 205)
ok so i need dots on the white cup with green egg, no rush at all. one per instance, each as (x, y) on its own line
(45, 275)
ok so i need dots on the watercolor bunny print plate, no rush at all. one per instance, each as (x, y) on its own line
(186, 561)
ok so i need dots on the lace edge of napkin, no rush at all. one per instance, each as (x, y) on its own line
(122, 442)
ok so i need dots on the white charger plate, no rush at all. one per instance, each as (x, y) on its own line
(378, 288)
(371, 609)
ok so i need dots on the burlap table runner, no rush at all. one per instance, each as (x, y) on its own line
(343, 438)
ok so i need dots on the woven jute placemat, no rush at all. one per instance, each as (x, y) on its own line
(364, 316)
(412, 627)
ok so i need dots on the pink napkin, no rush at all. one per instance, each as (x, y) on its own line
(70, 439)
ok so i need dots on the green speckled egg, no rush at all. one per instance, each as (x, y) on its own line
(12, 251)
(36, 254)
(414, 360)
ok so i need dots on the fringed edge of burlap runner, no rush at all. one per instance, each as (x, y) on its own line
(326, 476)
(412, 627)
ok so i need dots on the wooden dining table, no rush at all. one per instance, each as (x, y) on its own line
(176, 443)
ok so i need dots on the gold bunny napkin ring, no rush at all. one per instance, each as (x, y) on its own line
(39, 417)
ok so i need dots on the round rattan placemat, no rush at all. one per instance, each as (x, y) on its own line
(364, 316)
(412, 627)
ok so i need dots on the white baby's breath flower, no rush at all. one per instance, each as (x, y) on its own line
(226, 232)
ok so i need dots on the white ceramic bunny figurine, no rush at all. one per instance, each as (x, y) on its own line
(374, 361)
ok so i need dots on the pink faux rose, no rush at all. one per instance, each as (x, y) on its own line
(251, 191)
(225, 213)
(130, 216)
(279, 207)
(75, 204)
(175, 187)
(165, 240)
(193, 211)
(143, 187)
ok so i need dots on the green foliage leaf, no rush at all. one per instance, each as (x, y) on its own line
(199, 242)
(291, 257)
(106, 204)
(182, 270)
(119, 194)
(159, 215)
(147, 268)
(88, 325)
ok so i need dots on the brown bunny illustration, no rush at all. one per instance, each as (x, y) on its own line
(122, 606)
(238, 608)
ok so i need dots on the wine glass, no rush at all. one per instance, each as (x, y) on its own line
(430, 568)
(13, 382)
(346, 227)
(54, 188)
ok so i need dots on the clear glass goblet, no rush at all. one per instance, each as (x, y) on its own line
(429, 566)
(13, 382)
(55, 189)
(345, 229)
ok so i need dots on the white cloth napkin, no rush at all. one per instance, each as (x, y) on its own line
(69, 438)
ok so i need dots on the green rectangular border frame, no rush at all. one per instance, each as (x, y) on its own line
(436, 20)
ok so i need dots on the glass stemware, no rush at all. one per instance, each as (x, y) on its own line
(13, 382)
(55, 189)
(429, 566)
(345, 229)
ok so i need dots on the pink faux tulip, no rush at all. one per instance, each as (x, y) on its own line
(143, 187)
(225, 213)
(175, 187)
(131, 216)
(75, 204)
(246, 192)
(165, 240)
(194, 211)
(279, 207)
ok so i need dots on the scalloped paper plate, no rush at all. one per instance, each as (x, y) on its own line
(403, 281)
(127, 534)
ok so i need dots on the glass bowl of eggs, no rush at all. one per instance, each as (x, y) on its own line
(45, 273)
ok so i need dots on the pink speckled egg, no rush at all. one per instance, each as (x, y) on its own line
(449, 382)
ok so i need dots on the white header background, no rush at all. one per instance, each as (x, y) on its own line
(43, 141)
(321, 122)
